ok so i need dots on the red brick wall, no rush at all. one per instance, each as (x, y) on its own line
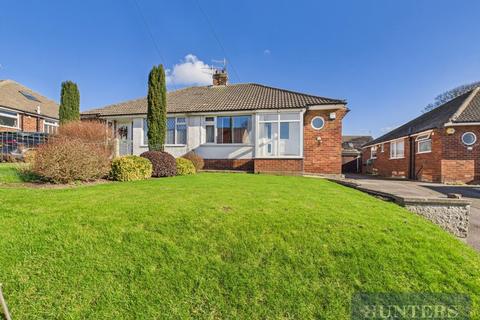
(29, 123)
(428, 166)
(460, 163)
(324, 156)
(278, 165)
(229, 164)
(384, 166)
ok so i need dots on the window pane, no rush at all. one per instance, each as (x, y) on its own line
(224, 129)
(209, 119)
(241, 129)
(181, 134)
(425, 146)
(7, 121)
(145, 132)
(268, 117)
(210, 134)
(181, 120)
(289, 116)
(170, 131)
(400, 149)
(289, 146)
(284, 130)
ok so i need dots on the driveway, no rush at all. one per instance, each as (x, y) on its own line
(424, 189)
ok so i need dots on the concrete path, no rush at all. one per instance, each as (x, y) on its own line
(431, 190)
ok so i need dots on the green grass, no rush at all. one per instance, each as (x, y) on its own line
(217, 246)
(12, 173)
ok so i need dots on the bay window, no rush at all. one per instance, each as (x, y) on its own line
(397, 149)
(279, 135)
(8, 119)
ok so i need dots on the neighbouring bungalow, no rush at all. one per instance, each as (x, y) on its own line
(248, 127)
(352, 153)
(23, 110)
(439, 146)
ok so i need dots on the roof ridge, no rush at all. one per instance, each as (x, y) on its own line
(296, 92)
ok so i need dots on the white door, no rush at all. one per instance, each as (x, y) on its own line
(124, 134)
(268, 138)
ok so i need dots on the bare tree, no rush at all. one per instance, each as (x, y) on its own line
(451, 94)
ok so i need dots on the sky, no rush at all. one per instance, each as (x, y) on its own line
(387, 58)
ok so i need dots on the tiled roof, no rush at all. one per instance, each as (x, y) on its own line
(354, 142)
(438, 117)
(16, 96)
(232, 97)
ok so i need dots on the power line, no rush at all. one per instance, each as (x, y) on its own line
(212, 30)
(149, 31)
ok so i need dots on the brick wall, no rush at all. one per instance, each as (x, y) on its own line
(229, 164)
(30, 123)
(324, 156)
(428, 166)
(384, 166)
(278, 165)
(460, 163)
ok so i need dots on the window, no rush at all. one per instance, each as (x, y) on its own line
(176, 131)
(382, 148)
(50, 127)
(317, 123)
(279, 134)
(210, 129)
(469, 138)
(424, 143)
(373, 152)
(397, 149)
(231, 129)
(8, 119)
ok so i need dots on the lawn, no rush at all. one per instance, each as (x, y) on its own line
(217, 246)
(11, 172)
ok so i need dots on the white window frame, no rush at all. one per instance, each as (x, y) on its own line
(176, 144)
(469, 144)
(423, 138)
(214, 124)
(50, 123)
(277, 141)
(382, 149)
(7, 113)
(394, 151)
(315, 128)
(373, 152)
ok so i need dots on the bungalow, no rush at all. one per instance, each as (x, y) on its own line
(247, 126)
(22, 109)
(438, 146)
(352, 153)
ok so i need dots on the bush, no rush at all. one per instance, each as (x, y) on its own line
(164, 164)
(87, 131)
(63, 160)
(130, 168)
(184, 167)
(29, 155)
(6, 157)
(196, 159)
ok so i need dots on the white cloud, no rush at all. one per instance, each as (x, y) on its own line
(190, 71)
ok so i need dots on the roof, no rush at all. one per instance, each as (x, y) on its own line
(464, 108)
(15, 96)
(232, 97)
(354, 142)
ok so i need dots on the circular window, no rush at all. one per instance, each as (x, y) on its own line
(469, 138)
(318, 123)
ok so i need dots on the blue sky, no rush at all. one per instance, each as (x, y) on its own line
(387, 58)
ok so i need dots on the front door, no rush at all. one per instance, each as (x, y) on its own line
(124, 134)
(268, 138)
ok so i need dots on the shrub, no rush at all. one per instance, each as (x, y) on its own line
(131, 168)
(87, 131)
(29, 155)
(164, 164)
(184, 167)
(63, 160)
(6, 157)
(196, 159)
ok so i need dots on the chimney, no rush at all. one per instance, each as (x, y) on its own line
(220, 77)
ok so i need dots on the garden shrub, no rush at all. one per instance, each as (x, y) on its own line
(196, 159)
(87, 131)
(64, 160)
(131, 168)
(184, 167)
(29, 155)
(163, 163)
